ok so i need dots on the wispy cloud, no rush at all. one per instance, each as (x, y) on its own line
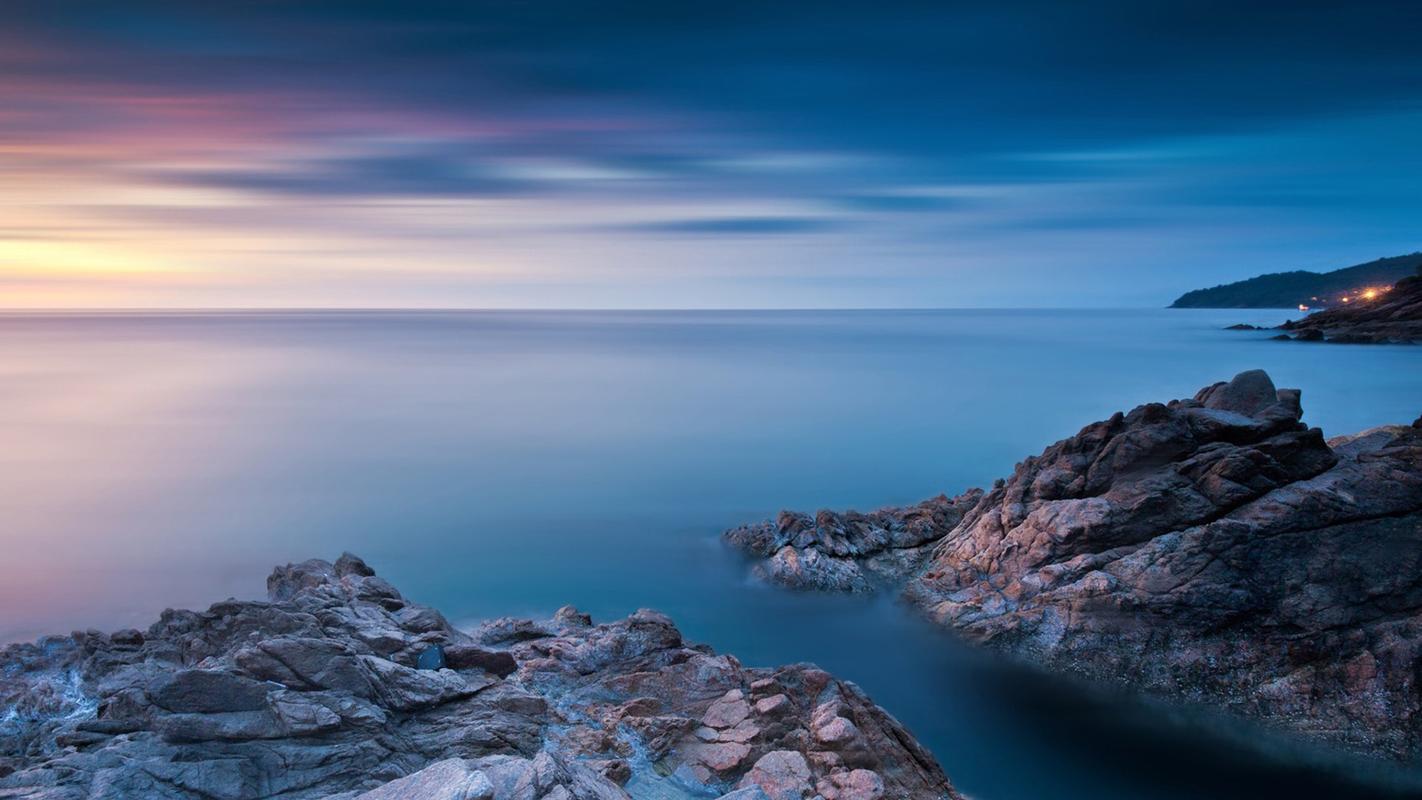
(559, 153)
(738, 226)
(413, 174)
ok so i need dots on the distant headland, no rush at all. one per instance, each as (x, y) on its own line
(1303, 288)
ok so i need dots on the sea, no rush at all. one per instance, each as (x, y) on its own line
(496, 463)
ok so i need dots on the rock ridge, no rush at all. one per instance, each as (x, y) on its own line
(1213, 549)
(338, 687)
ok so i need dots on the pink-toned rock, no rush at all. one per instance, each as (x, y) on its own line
(836, 731)
(859, 784)
(772, 706)
(728, 711)
(717, 756)
(744, 731)
(781, 774)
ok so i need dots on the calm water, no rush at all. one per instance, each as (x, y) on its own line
(507, 463)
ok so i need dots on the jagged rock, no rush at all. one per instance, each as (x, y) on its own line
(305, 662)
(856, 784)
(202, 691)
(467, 656)
(570, 617)
(507, 630)
(451, 779)
(317, 694)
(1214, 549)
(781, 775)
(845, 552)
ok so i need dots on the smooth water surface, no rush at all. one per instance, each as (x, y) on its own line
(495, 463)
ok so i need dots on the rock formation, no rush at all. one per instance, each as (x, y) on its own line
(840, 552)
(1393, 318)
(1214, 549)
(340, 688)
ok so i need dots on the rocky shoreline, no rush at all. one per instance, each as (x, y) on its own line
(1213, 549)
(1394, 318)
(339, 688)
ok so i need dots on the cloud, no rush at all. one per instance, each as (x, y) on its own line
(418, 174)
(737, 226)
(905, 202)
(1205, 132)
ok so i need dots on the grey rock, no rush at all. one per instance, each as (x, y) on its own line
(1237, 560)
(849, 552)
(202, 691)
(451, 779)
(570, 617)
(350, 564)
(1213, 549)
(305, 663)
(1247, 393)
(471, 656)
(316, 694)
(507, 630)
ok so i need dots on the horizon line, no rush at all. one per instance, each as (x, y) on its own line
(524, 309)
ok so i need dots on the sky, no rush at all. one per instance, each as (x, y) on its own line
(554, 154)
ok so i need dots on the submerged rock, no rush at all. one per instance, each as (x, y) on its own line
(1214, 549)
(338, 687)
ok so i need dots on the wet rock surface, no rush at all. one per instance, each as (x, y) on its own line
(1213, 549)
(340, 688)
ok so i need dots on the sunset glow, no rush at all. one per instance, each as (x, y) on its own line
(168, 154)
